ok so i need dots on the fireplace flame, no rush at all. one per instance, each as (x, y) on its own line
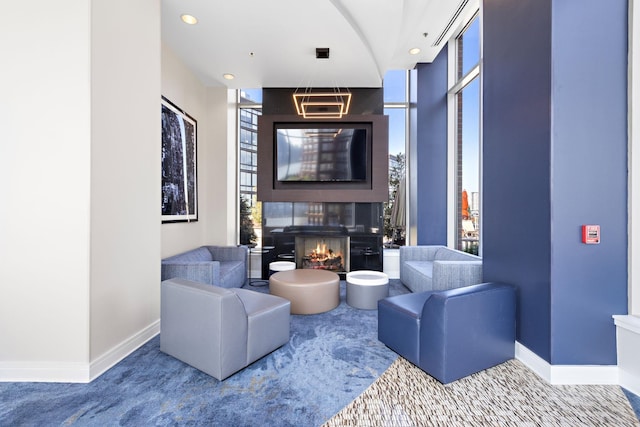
(321, 252)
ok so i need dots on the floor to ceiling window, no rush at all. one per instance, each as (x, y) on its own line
(465, 93)
(249, 108)
(396, 105)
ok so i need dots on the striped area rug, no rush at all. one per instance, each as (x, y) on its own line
(506, 395)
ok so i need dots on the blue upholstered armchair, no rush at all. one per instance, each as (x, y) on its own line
(224, 266)
(454, 333)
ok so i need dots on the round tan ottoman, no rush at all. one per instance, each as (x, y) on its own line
(310, 291)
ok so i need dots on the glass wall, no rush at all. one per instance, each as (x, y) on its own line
(249, 108)
(396, 106)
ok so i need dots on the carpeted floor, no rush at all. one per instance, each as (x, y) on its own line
(506, 395)
(329, 361)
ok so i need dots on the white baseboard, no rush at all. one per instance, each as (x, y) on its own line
(55, 372)
(75, 372)
(122, 350)
(534, 362)
(567, 374)
(630, 381)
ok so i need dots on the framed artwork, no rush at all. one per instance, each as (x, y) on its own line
(179, 160)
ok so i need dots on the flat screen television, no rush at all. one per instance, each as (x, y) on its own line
(373, 160)
(322, 152)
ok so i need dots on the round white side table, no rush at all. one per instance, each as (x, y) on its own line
(365, 288)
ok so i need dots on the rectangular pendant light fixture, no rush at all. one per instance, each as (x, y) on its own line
(322, 105)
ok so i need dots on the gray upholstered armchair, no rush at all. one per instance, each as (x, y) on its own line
(437, 268)
(220, 331)
(224, 266)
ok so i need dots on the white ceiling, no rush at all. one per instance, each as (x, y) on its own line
(271, 43)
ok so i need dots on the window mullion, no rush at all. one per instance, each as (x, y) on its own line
(465, 80)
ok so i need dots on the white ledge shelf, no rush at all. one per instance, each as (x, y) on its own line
(628, 322)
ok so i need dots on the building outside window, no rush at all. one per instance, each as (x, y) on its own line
(396, 105)
(249, 108)
(466, 91)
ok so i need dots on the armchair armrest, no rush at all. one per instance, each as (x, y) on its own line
(228, 253)
(197, 271)
(455, 274)
(418, 253)
(476, 320)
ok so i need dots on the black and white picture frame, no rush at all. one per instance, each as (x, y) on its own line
(179, 160)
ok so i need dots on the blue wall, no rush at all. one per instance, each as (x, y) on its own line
(554, 158)
(516, 227)
(589, 178)
(431, 131)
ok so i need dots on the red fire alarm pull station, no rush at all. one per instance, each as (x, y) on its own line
(591, 234)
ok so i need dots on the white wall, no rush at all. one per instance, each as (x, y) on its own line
(221, 166)
(634, 157)
(216, 158)
(79, 160)
(125, 177)
(45, 175)
(628, 326)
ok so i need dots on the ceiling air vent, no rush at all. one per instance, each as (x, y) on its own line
(322, 53)
(452, 21)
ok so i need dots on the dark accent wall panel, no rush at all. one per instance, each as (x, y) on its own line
(431, 150)
(516, 225)
(363, 100)
(375, 190)
(367, 106)
(589, 179)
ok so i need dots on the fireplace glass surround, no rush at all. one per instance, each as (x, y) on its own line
(338, 237)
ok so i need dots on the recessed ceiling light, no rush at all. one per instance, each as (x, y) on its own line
(228, 76)
(414, 50)
(189, 19)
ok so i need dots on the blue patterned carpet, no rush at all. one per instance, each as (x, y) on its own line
(330, 359)
(634, 400)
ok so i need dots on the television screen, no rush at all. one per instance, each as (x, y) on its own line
(321, 154)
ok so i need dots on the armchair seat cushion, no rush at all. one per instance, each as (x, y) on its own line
(399, 323)
(433, 268)
(419, 272)
(268, 326)
(232, 273)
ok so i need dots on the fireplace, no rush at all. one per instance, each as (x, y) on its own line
(322, 252)
(339, 237)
